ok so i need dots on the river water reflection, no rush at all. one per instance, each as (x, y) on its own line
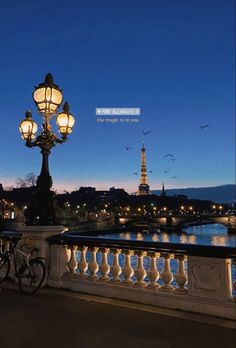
(212, 235)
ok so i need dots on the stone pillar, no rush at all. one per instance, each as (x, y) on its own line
(209, 278)
(56, 256)
(59, 258)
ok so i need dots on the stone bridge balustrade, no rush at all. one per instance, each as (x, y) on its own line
(185, 277)
(234, 282)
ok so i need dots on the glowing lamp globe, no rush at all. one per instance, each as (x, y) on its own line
(65, 121)
(47, 96)
(28, 127)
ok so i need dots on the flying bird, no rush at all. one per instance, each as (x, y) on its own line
(174, 177)
(169, 155)
(135, 173)
(166, 171)
(147, 132)
(128, 148)
(204, 126)
(150, 171)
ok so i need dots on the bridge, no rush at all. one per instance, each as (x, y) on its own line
(180, 220)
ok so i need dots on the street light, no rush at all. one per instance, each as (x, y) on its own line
(48, 98)
(28, 127)
(65, 121)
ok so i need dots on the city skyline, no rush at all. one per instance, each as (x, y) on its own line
(174, 62)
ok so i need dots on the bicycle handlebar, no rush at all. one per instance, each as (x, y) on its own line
(14, 239)
(35, 249)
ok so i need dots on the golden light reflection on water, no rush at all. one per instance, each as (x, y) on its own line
(192, 239)
(125, 235)
(155, 237)
(219, 240)
(183, 238)
(139, 236)
(165, 237)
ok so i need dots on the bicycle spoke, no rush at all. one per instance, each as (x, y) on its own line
(32, 277)
(4, 268)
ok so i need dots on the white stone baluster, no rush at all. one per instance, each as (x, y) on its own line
(83, 265)
(153, 273)
(140, 272)
(1, 247)
(166, 275)
(115, 268)
(127, 270)
(181, 277)
(72, 264)
(66, 254)
(104, 268)
(234, 283)
(93, 265)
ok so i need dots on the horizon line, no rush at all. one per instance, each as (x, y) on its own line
(60, 189)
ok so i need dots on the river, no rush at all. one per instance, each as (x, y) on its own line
(212, 234)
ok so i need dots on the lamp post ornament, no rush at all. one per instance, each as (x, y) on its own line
(48, 98)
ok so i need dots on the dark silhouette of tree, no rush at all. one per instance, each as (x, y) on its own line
(28, 181)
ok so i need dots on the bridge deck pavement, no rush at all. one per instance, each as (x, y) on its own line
(53, 320)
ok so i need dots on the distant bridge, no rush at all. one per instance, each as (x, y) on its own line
(180, 220)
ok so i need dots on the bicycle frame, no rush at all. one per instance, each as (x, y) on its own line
(26, 256)
(13, 250)
(29, 270)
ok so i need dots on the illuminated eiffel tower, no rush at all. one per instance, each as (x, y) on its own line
(143, 188)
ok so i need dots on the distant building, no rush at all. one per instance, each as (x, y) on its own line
(163, 192)
(118, 195)
(87, 190)
(143, 189)
(102, 196)
(92, 198)
(113, 195)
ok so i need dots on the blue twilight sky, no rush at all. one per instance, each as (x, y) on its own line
(173, 59)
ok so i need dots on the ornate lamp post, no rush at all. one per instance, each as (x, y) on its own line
(48, 98)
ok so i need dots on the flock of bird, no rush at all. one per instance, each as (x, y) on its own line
(204, 126)
(169, 156)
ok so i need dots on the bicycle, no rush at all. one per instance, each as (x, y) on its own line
(30, 274)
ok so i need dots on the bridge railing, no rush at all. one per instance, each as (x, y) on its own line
(186, 277)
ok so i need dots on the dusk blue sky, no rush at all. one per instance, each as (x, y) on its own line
(173, 59)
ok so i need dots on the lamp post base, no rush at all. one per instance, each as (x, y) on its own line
(42, 209)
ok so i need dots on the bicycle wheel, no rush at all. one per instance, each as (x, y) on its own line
(31, 277)
(4, 268)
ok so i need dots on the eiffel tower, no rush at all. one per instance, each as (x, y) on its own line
(143, 188)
